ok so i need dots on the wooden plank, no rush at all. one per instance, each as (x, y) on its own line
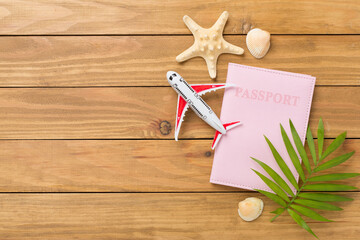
(121, 166)
(159, 216)
(159, 17)
(134, 113)
(143, 61)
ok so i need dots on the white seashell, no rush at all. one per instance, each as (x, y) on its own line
(258, 42)
(250, 209)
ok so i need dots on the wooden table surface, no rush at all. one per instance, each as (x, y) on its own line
(87, 148)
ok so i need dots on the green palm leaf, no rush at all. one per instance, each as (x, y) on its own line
(333, 177)
(317, 204)
(278, 211)
(325, 197)
(284, 168)
(273, 186)
(333, 146)
(320, 137)
(275, 177)
(309, 213)
(300, 221)
(328, 187)
(293, 156)
(334, 162)
(311, 144)
(303, 203)
(300, 146)
(273, 197)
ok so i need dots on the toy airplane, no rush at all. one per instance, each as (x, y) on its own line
(189, 96)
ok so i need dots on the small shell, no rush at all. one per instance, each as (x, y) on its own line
(250, 209)
(258, 42)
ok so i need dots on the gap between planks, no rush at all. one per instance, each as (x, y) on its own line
(180, 192)
(139, 86)
(167, 35)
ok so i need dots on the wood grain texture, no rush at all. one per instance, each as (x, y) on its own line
(144, 60)
(165, 17)
(122, 166)
(200, 216)
(140, 113)
(123, 106)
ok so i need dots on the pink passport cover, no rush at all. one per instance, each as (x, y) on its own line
(261, 100)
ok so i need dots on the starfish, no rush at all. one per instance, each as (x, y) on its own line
(209, 43)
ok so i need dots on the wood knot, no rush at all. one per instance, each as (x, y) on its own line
(208, 154)
(165, 127)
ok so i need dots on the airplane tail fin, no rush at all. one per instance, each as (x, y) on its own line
(218, 135)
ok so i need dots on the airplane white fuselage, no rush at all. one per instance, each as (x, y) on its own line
(195, 102)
